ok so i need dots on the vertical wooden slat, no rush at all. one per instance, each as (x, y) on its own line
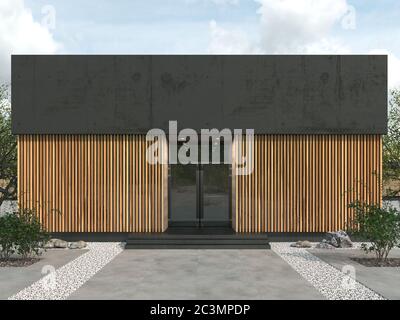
(97, 183)
(308, 182)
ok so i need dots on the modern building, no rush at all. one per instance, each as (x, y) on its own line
(82, 121)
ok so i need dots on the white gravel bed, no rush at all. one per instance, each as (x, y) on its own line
(331, 282)
(59, 284)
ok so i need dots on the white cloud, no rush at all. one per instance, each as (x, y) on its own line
(393, 67)
(329, 45)
(294, 26)
(289, 26)
(20, 34)
(232, 41)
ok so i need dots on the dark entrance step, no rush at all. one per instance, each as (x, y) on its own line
(197, 238)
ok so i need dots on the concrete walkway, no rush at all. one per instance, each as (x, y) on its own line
(383, 280)
(197, 274)
(61, 283)
(14, 279)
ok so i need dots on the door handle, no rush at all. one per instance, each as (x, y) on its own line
(201, 196)
(198, 195)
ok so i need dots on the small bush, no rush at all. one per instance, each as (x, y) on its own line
(21, 233)
(380, 226)
(8, 226)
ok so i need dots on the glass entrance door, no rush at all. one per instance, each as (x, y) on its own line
(199, 195)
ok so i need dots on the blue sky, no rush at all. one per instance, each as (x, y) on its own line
(201, 26)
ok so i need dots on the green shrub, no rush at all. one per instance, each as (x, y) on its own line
(31, 235)
(21, 233)
(8, 226)
(380, 226)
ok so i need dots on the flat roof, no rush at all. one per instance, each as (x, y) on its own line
(272, 94)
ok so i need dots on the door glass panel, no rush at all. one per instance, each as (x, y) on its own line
(184, 194)
(215, 197)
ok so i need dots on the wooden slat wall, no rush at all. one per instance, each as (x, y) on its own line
(102, 183)
(92, 183)
(303, 183)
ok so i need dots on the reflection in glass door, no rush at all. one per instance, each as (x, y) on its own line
(214, 198)
(184, 195)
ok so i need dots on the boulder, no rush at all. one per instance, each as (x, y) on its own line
(60, 243)
(339, 239)
(77, 244)
(324, 245)
(345, 241)
(301, 244)
(331, 239)
(48, 245)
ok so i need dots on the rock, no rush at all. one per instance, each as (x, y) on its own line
(331, 239)
(77, 244)
(60, 243)
(301, 244)
(48, 245)
(324, 245)
(339, 239)
(345, 241)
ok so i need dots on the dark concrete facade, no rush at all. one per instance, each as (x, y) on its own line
(64, 94)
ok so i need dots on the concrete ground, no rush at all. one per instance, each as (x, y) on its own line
(383, 280)
(14, 279)
(197, 274)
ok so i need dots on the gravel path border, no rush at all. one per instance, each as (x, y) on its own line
(59, 284)
(331, 282)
